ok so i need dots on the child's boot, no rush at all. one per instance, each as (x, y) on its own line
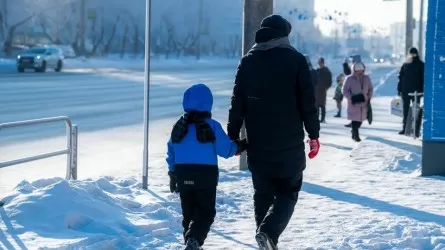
(264, 242)
(192, 244)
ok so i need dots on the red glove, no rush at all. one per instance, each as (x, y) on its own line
(314, 146)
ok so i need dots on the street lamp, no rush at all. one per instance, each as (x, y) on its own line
(146, 95)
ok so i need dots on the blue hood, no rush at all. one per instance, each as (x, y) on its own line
(198, 98)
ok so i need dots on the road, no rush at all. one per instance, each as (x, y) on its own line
(98, 99)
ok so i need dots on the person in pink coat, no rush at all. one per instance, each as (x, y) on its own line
(358, 90)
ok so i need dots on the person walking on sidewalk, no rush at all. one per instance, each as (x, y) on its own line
(410, 80)
(324, 76)
(195, 143)
(338, 96)
(358, 90)
(313, 71)
(274, 97)
(347, 71)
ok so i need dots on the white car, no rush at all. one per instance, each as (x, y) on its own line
(40, 59)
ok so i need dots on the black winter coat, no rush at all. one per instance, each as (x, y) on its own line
(274, 96)
(411, 77)
(346, 69)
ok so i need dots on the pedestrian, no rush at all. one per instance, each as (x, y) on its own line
(274, 97)
(410, 80)
(312, 70)
(338, 96)
(346, 68)
(347, 71)
(324, 77)
(358, 90)
(195, 143)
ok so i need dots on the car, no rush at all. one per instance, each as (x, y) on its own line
(40, 59)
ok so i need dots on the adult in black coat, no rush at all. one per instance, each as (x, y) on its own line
(274, 96)
(411, 79)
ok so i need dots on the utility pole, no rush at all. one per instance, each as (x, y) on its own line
(254, 11)
(421, 29)
(82, 25)
(409, 25)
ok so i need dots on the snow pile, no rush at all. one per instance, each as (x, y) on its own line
(392, 155)
(105, 213)
(156, 63)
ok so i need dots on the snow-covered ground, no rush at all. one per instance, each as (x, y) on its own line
(355, 196)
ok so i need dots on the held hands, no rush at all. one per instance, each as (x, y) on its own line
(314, 146)
(242, 146)
(173, 182)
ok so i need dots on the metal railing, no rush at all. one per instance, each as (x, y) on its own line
(70, 151)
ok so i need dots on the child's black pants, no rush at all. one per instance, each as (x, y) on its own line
(198, 211)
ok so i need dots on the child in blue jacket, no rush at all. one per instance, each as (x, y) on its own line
(196, 142)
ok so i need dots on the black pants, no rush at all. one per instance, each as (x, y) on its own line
(407, 100)
(274, 202)
(198, 212)
(322, 112)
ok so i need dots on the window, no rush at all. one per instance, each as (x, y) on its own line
(37, 51)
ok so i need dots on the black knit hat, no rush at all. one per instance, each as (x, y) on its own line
(277, 23)
(413, 51)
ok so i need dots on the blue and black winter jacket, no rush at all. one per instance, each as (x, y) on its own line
(193, 157)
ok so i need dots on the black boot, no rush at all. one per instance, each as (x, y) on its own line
(323, 115)
(349, 125)
(355, 135)
(338, 115)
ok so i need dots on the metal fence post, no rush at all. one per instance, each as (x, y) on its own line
(74, 134)
(69, 130)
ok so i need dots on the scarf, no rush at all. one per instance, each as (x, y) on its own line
(204, 133)
(282, 42)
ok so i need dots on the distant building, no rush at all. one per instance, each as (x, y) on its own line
(398, 34)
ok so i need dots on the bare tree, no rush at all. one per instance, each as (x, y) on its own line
(170, 44)
(124, 41)
(187, 44)
(110, 39)
(97, 36)
(234, 45)
(34, 9)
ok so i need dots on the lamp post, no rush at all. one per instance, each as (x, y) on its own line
(145, 156)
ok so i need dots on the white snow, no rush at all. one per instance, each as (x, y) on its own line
(355, 196)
